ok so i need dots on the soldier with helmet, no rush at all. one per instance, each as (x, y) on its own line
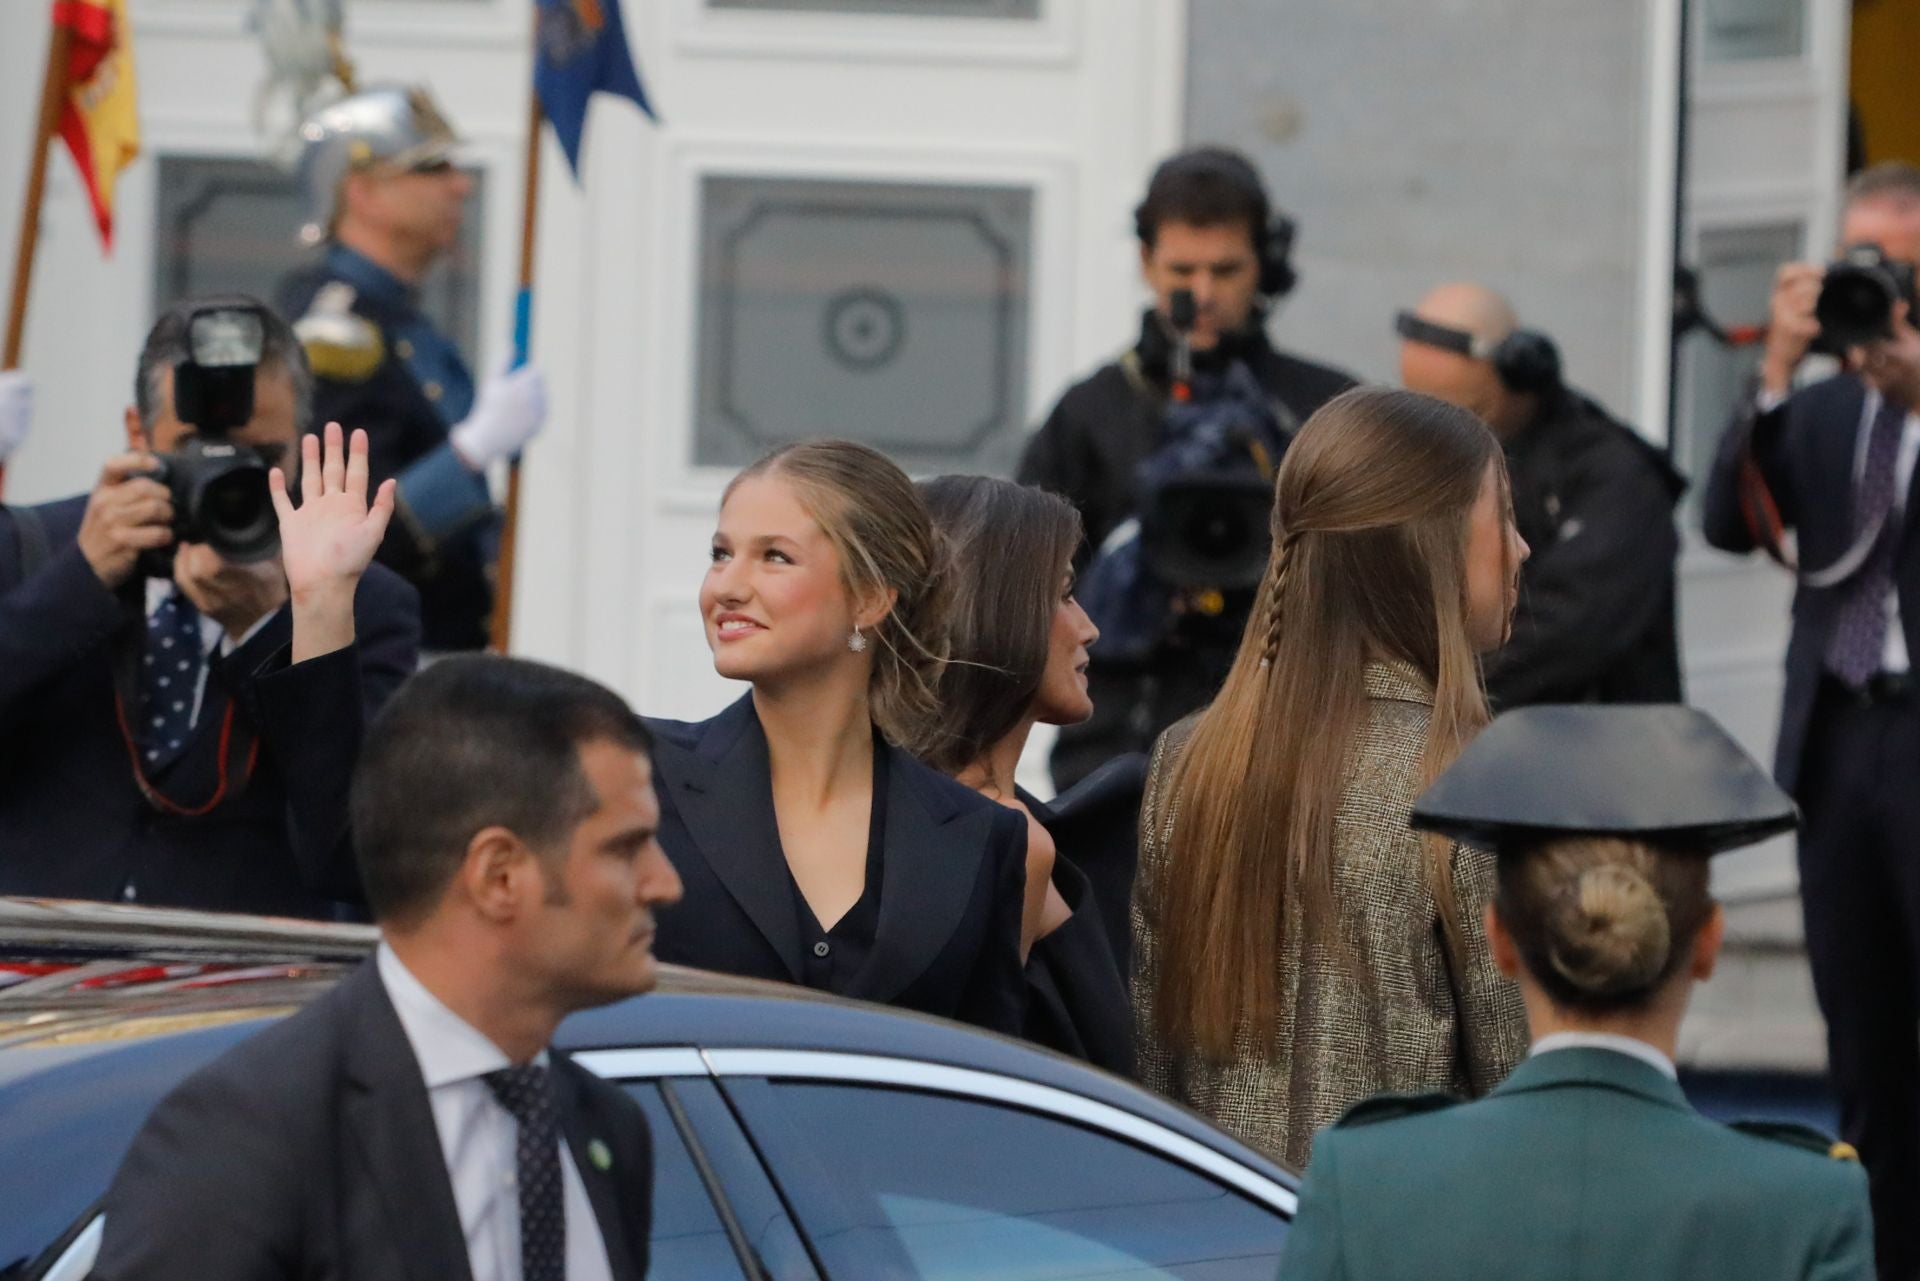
(384, 204)
(1588, 1161)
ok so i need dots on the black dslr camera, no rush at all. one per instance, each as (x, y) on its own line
(1856, 300)
(219, 488)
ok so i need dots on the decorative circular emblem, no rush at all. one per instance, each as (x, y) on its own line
(864, 328)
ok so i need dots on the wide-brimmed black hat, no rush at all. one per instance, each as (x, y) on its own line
(1663, 774)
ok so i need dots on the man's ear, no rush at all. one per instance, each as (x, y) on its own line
(499, 875)
(1146, 264)
(136, 434)
(1506, 953)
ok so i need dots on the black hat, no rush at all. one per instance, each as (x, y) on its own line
(1663, 774)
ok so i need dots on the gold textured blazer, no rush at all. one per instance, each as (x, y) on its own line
(1413, 1026)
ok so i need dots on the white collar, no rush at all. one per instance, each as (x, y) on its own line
(448, 1048)
(1631, 1046)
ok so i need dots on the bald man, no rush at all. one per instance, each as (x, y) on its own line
(1595, 622)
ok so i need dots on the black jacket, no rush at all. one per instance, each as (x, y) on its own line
(1805, 450)
(1092, 444)
(310, 1151)
(948, 941)
(1596, 618)
(73, 821)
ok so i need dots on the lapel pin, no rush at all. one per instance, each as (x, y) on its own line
(598, 1154)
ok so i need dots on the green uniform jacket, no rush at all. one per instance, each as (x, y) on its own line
(1586, 1165)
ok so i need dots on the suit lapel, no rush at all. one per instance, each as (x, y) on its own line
(1836, 453)
(593, 1157)
(724, 794)
(392, 1126)
(931, 860)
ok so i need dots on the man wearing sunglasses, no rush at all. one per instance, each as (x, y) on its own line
(385, 200)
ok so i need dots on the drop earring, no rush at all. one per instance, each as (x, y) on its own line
(856, 642)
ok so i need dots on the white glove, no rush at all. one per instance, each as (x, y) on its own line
(509, 411)
(16, 410)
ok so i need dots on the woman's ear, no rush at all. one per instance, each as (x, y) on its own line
(1706, 944)
(873, 608)
(1506, 953)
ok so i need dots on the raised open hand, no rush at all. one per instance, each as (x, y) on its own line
(327, 541)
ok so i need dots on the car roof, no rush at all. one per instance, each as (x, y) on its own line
(92, 977)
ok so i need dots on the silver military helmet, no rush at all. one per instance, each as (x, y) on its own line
(391, 127)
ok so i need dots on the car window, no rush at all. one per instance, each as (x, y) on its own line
(901, 1183)
(688, 1238)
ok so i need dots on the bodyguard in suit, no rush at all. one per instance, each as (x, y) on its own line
(1588, 1161)
(1834, 462)
(157, 742)
(413, 1122)
(814, 850)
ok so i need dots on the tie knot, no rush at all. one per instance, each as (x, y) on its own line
(523, 1091)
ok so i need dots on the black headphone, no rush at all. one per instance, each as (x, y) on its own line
(1273, 247)
(1526, 359)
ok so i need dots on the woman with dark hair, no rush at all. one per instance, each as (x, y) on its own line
(1588, 1160)
(1018, 658)
(811, 848)
(1296, 947)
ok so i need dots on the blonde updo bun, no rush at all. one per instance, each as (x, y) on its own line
(1609, 932)
(1601, 921)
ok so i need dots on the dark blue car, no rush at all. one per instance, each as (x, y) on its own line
(798, 1136)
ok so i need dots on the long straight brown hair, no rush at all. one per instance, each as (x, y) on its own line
(1370, 530)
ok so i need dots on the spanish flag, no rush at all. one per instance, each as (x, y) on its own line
(97, 120)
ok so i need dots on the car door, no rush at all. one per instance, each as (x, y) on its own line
(901, 1169)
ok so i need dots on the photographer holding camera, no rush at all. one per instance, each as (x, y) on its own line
(1833, 462)
(156, 743)
(1202, 382)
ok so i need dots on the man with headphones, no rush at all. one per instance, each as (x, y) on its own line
(1595, 622)
(1207, 230)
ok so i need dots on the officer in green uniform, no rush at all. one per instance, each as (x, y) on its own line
(1588, 1161)
(384, 205)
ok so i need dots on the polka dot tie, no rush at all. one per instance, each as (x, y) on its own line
(1860, 629)
(527, 1093)
(169, 678)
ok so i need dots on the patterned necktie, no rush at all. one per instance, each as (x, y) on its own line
(1860, 628)
(169, 677)
(527, 1093)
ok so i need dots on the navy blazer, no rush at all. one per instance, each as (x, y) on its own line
(1806, 450)
(309, 1150)
(73, 821)
(952, 880)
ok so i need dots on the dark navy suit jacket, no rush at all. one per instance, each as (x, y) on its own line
(954, 869)
(1806, 449)
(73, 821)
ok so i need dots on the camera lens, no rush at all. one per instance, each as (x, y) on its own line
(1855, 305)
(235, 514)
(1215, 534)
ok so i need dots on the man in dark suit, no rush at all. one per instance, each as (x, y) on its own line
(1834, 463)
(412, 1122)
(156, 743)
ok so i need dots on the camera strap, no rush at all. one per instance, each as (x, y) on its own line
(238, 747)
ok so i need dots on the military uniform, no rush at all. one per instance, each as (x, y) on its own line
(380, 364)
(1585, 1163)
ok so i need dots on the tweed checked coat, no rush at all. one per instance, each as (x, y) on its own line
(1416, 1025)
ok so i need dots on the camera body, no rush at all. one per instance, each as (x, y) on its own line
(1857, 298)
(218, 487)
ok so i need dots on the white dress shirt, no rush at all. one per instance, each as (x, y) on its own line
(1630, 1046)
(213, 637)
(477, 1136)
(1894, 658)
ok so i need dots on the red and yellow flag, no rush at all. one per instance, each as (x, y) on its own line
(98, 120)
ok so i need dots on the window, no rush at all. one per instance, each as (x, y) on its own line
(688, 1239)
(899, 1183)
(908, 8)
(1741, 30)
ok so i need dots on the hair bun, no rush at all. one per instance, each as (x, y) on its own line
(1609, 934)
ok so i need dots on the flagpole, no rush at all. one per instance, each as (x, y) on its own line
(53, 91)
(501, 632)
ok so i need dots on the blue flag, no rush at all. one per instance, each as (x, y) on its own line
(580, 48)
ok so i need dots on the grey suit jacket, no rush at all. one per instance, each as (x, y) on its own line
(1414, 1024)
(309, 1151)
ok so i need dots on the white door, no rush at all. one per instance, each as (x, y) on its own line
(1767, 125)
(905, 221)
